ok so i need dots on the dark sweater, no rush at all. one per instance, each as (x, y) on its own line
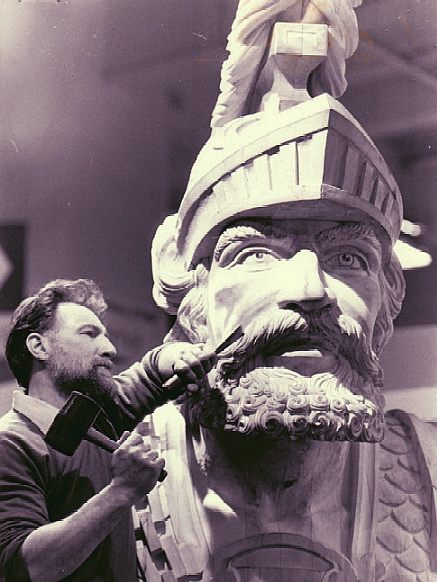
(38, 485)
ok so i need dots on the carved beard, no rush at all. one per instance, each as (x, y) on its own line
(252, 394)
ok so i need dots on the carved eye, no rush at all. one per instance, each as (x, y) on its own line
(347, 260)
(257, 257)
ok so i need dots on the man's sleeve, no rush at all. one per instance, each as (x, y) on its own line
(140, 389)
(23, 508)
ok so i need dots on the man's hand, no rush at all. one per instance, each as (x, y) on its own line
(191, 362)
(55, 550)
(135, 465)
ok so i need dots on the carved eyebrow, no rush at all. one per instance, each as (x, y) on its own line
(232, 235)
(350, 232)
(243, 232)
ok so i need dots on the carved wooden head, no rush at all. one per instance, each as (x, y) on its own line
(287, 228)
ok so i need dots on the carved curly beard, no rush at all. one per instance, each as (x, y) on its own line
(252, 394)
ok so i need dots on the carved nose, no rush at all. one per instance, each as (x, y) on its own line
(302, 284)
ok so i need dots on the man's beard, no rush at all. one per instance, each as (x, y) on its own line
(95, 381)
(254, 394)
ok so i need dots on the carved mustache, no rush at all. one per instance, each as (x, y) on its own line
(340, 333)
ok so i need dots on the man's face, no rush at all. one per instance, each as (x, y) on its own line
(307, 294)
(80, 353)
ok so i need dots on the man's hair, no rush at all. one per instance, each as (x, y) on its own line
(36, 315)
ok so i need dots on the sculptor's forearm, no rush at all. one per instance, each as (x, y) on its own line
(140, 389)
(55, 550)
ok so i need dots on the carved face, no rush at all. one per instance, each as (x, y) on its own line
(294, 265)
(307, 294)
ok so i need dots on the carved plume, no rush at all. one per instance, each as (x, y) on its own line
(249, 39)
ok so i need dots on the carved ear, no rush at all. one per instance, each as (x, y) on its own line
(36, 345)
(192, 315)
(393, 285)
(190, 322)
(176, 289)
(172, 280)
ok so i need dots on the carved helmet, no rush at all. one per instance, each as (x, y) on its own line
(310, 161)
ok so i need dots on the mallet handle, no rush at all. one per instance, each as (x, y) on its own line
(102, 441)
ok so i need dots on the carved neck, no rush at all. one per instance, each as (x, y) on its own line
(305, 487)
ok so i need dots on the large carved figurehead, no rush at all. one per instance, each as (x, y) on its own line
(287, 228)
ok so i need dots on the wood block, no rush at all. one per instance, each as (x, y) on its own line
(152, 538)
(388, 203)
(351, 171)
(152, 574)
(261, 168)
(335, 159)
(163, 501)
(173, 556)
(141, 554)
(155, 443)
(283, 170)
(311, 158)
(135, 519)
(190, 557)
(167, 577)
(364, 189)
(155, 505)
(189, 553)
(299, 39)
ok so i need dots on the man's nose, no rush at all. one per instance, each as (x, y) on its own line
(107, 348)
(302, 283)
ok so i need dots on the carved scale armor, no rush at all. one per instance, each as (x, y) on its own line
(403, 531)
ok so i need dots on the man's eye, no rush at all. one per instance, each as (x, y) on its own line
(347, 260)
(89, 332)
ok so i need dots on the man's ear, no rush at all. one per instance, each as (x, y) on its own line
(37, 346)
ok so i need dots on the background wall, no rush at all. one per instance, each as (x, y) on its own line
(104, 107)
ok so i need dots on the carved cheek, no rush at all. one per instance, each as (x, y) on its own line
(223, 295)
(361, 299)
(234, 299)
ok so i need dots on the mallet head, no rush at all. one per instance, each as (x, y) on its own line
(72, 422)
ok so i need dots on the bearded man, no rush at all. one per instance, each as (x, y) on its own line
(69, 518)
(287, 229)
